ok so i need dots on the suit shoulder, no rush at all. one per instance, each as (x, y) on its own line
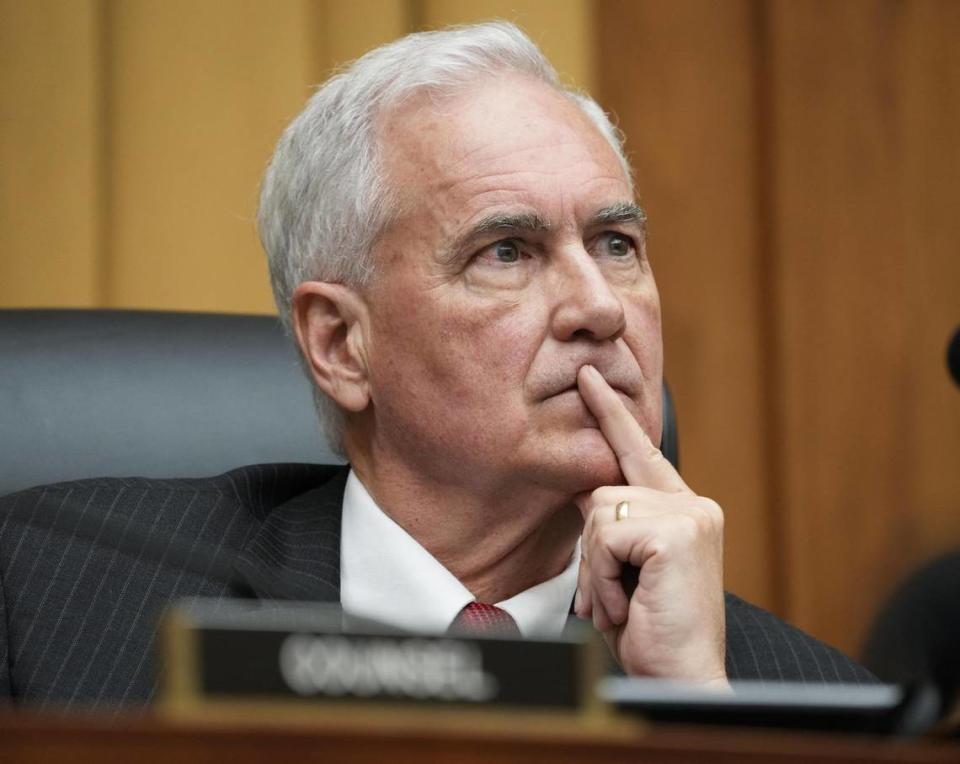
(221, 509)
(88, 566)
(761, 646)
(259, 485)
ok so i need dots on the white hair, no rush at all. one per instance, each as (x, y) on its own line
(324, 199)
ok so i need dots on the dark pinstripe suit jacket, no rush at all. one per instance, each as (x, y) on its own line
(78, 618)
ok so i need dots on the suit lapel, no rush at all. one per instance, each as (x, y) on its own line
(295, 554)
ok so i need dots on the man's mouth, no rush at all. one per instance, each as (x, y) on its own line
(617, 373)
(574, 388)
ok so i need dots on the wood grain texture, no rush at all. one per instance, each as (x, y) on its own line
(563, 29)
(350, 28)
(50, 171)
(801, 166)
(198, 96)
(680, 78)
(866, 111)
(268, 737)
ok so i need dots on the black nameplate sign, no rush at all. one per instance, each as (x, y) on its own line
(242, 651)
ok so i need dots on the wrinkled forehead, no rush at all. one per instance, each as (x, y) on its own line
(492, 126)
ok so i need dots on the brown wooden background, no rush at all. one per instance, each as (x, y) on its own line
(800, 161)
(801, 165)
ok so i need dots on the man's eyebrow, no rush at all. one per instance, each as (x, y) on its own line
(498, 223)
(622, 213)
(508, 221)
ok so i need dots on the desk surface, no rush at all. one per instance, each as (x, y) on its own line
(29, 736)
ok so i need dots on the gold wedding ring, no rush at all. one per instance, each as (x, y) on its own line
(623, 510)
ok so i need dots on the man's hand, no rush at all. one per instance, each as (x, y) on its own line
(673, 624)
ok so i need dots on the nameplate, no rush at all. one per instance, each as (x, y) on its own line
(243, 652)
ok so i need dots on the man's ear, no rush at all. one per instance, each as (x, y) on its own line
(330, 323)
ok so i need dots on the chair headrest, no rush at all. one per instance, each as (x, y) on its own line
(89, 393)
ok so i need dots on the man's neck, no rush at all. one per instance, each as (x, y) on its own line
(496, 542)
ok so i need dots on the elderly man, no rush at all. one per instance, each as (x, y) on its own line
(455, 245)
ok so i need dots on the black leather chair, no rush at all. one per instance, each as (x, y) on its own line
(88, 393)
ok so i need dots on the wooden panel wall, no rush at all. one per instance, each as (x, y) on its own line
(50, 162)
(801, 165)
(865, 167)
(197, 95)
(135, 133)
(562, 28)
(681, 84)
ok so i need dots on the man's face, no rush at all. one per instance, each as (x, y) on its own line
(516, 258)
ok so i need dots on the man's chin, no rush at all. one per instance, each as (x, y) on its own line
(583, 461)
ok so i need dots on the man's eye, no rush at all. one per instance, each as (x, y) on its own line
(506, 251)
(618, 245)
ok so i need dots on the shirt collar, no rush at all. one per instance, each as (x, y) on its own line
(387, 576)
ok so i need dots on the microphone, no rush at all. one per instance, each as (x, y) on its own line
(953, 357)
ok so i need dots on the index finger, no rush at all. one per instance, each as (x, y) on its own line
(640, 461)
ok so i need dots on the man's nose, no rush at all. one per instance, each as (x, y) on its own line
(586, 306)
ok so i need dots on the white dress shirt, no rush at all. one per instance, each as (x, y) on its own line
(387, 576)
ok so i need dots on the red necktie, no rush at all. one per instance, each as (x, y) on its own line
(489, 620)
